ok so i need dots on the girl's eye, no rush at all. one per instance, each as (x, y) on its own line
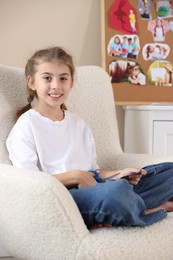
(63, 79)
(47, 78)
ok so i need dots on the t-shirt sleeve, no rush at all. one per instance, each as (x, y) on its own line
(95, 165)
(21, 148)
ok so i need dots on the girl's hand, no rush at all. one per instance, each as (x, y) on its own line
(84, 179)
(76, 178)
(132, 172)
(133, 175)
(134, 179)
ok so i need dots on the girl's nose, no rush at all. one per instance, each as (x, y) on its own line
(55, 85)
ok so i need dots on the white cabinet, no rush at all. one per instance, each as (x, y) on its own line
(163, 137)
(149, 129)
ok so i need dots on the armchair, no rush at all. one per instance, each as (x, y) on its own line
(38, 218)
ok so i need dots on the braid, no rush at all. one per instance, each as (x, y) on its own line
(22, 110)
(32, 95)
(63, 107)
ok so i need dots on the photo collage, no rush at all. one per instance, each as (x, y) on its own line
(129, 42)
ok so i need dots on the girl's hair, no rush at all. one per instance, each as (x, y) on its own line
(116, 37)
(54, 54)
(148, 51)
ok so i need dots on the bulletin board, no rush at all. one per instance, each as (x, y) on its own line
(156, 68)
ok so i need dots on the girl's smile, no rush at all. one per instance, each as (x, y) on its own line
(55, 96)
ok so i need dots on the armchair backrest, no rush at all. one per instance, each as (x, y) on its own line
(12, 96)
(91, 98)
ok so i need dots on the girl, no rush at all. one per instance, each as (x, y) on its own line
(114, 47)
(159, 34)
(49, 138)
(132, 20)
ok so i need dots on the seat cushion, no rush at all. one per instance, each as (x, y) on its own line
(127, 243)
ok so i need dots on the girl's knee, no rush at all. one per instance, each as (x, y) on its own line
(120, 186)
(118, 192)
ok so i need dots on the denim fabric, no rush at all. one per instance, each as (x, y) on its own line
(120, 204)
(157, 186)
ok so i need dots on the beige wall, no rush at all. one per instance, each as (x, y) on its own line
(28, 25)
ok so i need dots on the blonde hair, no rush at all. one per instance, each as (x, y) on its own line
(40, 56)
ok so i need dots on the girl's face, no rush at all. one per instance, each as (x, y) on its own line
(52, 83)
(117, 40)
(159, 23)
(151, 48)
(135, 71)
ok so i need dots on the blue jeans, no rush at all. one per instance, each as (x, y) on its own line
(157, 186)
(121, 204)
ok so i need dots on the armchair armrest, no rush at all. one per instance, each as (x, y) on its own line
(38, 216)
(126, 160)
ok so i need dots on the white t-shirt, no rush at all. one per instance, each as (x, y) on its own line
(159, 34)
(38, 143)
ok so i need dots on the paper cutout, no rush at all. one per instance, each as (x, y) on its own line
(122, 17)
(124, 46)
(155, 51)
(164, 9)
(132, 20)
(160, 73)
(171, 25)
(158, 28)
(126, 71)
(144, 7)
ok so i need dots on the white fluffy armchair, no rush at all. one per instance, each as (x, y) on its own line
(38, 218)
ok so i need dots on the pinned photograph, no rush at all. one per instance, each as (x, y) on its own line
(164, 9)
(124, 46)
(171, 25)
(160, 73)
(126, 71)
(159, 28)
(155, 51)
(137, 77)
(144, 7)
